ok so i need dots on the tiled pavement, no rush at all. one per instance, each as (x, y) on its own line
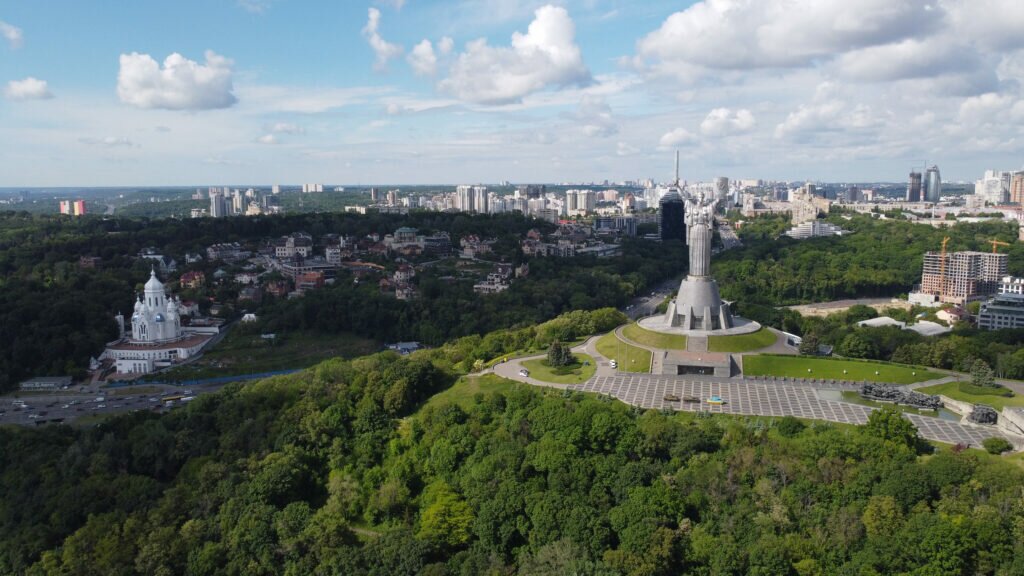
(761, 398)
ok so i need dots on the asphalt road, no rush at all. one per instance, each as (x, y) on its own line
(68, 405)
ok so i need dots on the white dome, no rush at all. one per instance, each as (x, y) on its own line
(154, 285)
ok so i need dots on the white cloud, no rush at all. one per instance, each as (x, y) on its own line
(913, 59)
(545, 56)
(724, 122)
(267, 139)
(383, 49)
(985, 109)
(678, 137)
(994, 24)
(305, 100)
(624, 149)
(396, 4)
(422, 59)
(181, 84)
(28, 89)
(829, 112)
(445, 45)
(12, 34)
(108, 142)
(285, 128)
(740, 34)
(595, 115)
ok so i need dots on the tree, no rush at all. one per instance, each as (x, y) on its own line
(996, 445)
(809, 344)
(889, 424)
(981, 375)
(559, 354)
(789, 426)
(447, 519)
(857, 345)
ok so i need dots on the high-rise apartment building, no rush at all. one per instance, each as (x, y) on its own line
(1017, 188)
(219, 207)
(480, 199)
(964, 276)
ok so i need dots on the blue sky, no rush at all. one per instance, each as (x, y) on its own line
(417, 91)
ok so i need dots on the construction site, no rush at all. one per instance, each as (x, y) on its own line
(960, 277)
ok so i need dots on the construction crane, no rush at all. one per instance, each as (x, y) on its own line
(995, 243)
(942, 269)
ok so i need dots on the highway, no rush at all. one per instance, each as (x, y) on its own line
(37, 408)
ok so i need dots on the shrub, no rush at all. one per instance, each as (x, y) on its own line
(997, 445)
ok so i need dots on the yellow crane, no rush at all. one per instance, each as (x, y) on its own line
(942, 269)
(995, 243)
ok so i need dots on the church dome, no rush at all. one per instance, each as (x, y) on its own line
(154, 285)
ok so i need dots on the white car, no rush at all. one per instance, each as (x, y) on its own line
(614, 364)
(524, 372)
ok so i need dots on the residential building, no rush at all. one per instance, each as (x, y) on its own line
(1017, 188)
(192, 279)
(297, 244)
(309, 281)
(963, 276)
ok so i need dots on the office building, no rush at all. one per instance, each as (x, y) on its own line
(219, 207)
(932, 185)
(993, 187)
(672, 222)
(1006, 309)
(914, 187)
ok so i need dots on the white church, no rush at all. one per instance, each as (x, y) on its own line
(157, 339)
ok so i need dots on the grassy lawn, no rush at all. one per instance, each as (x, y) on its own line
(742, 342)
(956, 392)
(654, 339)
(466, 387)
(798, 366)
(573, 374)
(244, 352)
(630, 358)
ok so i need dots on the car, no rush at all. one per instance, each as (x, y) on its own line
(524, 372)
(614, 364)
(691, 399)
(671, 398)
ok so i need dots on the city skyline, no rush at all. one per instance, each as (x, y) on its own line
(414, 91)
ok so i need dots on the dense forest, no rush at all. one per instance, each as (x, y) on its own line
(879, 258)
(341, 470)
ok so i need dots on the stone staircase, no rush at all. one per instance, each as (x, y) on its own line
(697, 343)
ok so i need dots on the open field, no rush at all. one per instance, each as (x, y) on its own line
(808, 367)
(582, 371)
(742, 342)
(956, 392)
(654, 339)
(466, 387)
(244, 352)
(630, 358)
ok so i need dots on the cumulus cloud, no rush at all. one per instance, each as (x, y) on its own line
(595, 116)
(741, 34)
(180, 84)
(108, 142)
(546, 56)
(910, 59)
(984, 109)
(28, 89)
(624, 149)
(678, 137)
(12, 34)
(422, 59)
(994, 24)
(383, 49)
(828, 112)
(267, 139)
(725, 122)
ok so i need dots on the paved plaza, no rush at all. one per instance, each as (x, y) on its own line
(765, 398)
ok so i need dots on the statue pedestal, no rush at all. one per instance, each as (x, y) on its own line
(698, 310)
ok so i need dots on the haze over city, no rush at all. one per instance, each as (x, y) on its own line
(261, 91)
